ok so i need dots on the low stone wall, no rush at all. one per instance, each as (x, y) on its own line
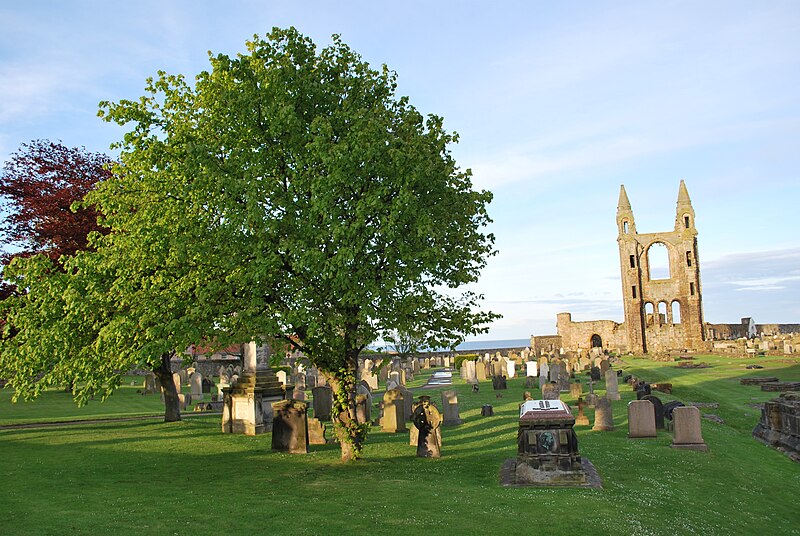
(779, 426)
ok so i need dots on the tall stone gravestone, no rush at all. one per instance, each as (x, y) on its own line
(408, 401)
(511, 369)
(322, 402)
(290, 426)
(544, 368)
(196, 383)
(641, 419)
(393, 420)
(480, 371)
(612, 387)
(450, 408)
(603, 415)
(364, 408)
(531, 369)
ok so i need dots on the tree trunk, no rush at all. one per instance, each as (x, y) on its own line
(172, 405)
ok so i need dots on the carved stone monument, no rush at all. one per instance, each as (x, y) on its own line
(428, 421)
(247, 403)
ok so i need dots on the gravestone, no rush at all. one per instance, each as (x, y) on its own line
(470, 374)
(612, 388)
(499, 383)
(575, 390)
(298, 394)
(391, 384)
(196, 383)
(581, 419)
(364, 408)
(531, 369)
(480, 371)
(670, 406)
(550, 391)
(511, 369)
(152, 384)
(604, 366)
(487, 410)
(281, 375)
(641, 419)
(290, 427)
(207, 385)
(428, 420)
(658, 410)
(547, 447)
(176, 379)
(322, 402)
(594, 374)
(544, 368)
(603, 415)
(555, 372)
(687, 430)
(316, 432)
(408, 401)
(450, 408)
(393, 420)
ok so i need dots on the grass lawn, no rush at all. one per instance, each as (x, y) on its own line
(148, 477)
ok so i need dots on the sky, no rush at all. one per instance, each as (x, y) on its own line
(556, 103)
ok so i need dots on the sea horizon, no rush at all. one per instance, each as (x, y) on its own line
(477, 345)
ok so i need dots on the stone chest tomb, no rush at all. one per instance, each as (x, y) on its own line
(547, 447)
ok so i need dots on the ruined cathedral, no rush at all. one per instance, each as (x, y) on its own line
(663, 311)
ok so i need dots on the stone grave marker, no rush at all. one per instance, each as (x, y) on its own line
(550, 391)
(393, 420)
(322, 402)
(612, 387)
(316, 432)
(658, 410)
(641, 419)
(603, 415)
(531, 369)
(450, 408)
(428, 421)
(196, 383)
(290, 426)
(687, 430)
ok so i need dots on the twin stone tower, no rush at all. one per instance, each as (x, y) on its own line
(663, 311)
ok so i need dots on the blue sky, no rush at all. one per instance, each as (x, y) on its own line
(557, 104)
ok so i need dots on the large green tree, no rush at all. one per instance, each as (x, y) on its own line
(287, 194)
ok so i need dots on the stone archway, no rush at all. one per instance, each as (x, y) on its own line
(596, 341)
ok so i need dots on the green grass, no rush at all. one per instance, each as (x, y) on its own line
(146, 477)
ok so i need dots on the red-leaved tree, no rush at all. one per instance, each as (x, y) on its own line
(38, 185)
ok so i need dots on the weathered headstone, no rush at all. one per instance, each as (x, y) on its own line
(612, 388)
(450, 408)
(550, 391)
(641, 419)
(393, 420)
(408, 401)
(658, 410)
(575, 390)
(290, 426)
(480, 371)
(499, 383)
(487, 410)
(581, 419)
(364, 408)
(687, 430)
(322, 402)
(594, 374)
(316, 432)
(603, 415)
(428, 420)
(196, 383)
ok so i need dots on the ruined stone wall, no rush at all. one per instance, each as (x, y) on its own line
(545, 344)
(722, 332)
(578, 335)
(777, 329)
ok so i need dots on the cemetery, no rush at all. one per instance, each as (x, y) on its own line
(631, 457)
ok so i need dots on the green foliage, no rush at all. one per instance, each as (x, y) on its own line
(465, 357)
(288, 194)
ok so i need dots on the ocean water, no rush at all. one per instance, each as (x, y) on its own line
(484, 345)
